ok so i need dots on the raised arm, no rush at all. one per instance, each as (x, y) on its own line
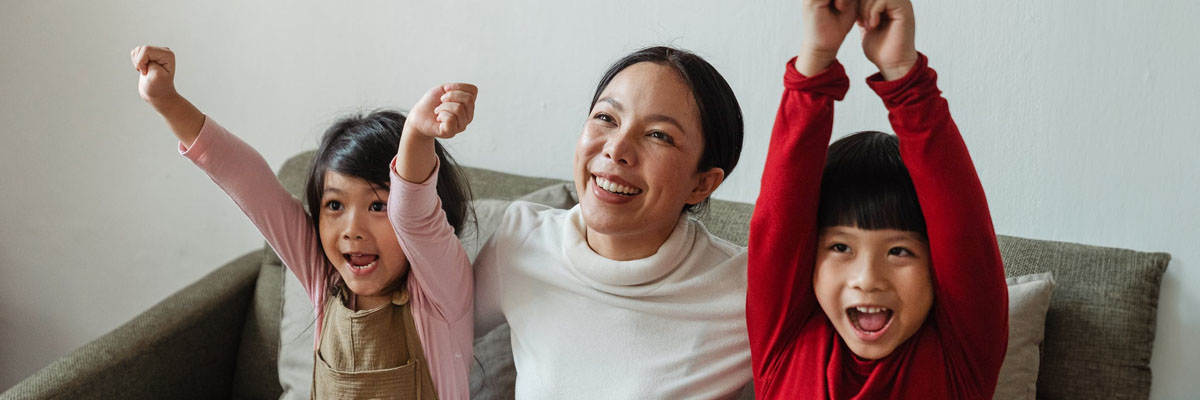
(783, 230)
(156, 84)
(239, 170)
(439, 266)
(971, 307)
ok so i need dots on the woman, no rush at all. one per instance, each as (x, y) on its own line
(623, 296)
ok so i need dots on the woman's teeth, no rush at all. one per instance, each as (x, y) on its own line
(372, 264)
(616, 188)
(870, 310)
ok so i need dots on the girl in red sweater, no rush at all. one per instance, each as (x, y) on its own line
(875, 273)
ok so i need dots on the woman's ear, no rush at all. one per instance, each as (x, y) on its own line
(708, 182)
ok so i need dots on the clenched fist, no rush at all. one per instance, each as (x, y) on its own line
(156, 85)
(444, 111)
(157, 68)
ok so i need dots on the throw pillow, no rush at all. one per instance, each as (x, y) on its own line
(1028, 300)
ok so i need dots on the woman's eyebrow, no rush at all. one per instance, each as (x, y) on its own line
(613, 102)
(665, 118)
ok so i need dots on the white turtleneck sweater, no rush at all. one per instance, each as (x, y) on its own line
(669, 326)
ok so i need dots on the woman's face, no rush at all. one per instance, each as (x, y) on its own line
(636, 162)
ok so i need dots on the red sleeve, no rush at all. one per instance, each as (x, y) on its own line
(783, 230)
(971, 297)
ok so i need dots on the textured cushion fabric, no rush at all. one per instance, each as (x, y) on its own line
(256, 374)
(728, 220)
(1100, 325)
(183, 347)
(1028, 300)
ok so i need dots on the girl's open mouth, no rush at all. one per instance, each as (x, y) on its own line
(870, 323)
(361, 264)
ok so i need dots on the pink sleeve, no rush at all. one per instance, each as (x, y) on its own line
(438, 266)
(243, 174)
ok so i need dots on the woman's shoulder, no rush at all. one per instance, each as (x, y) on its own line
(516, 221)
(716, 243)
(524, 214)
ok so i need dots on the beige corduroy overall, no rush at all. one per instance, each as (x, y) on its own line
(370, 354)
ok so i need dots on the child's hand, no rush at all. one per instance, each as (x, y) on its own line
(826, 23)
(156, 84)
(889, 32)
(157, 67)
(444, 111)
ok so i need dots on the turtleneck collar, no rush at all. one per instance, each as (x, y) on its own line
(628, 278)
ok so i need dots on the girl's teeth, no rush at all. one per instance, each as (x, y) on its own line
(364, 266)
(614, 187)
(870, 310)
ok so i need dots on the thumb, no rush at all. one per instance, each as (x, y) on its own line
(432, 98)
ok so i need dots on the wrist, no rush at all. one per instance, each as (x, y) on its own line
(897, 70)
(411, 134)
(811, 62)
(166, 104)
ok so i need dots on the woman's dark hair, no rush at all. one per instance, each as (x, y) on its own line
(866, 185)
(720, 115)
(362, 146)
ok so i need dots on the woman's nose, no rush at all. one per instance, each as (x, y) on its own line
(620, 148)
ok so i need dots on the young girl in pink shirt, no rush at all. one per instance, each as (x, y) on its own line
(376, 251)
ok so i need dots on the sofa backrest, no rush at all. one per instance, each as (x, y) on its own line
(1099, 329)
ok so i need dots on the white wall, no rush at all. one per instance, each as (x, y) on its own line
(1082, 121)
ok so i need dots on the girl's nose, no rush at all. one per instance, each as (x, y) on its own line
(868, 275)
(355, 227)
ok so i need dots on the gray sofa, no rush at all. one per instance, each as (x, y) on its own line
(219, 337)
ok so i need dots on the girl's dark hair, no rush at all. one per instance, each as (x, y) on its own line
(362, 146)
(720, 115)
(867, 186)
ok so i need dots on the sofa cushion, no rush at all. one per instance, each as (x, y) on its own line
(1100, 325)
(1028, 300)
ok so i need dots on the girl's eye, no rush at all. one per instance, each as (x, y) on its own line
(900, 251)
(378, 206)
(603, 117)
(334, 205)
(660, 135)
(839, 248)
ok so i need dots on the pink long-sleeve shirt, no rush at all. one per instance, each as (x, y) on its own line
(440, 285)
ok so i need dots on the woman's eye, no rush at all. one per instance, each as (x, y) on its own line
(660, 135)
(334, 205)
(839, 248)
(378, 206)
(604, 117)
(900, 251)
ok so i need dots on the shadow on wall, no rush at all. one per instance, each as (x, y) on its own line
(1174, 349)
